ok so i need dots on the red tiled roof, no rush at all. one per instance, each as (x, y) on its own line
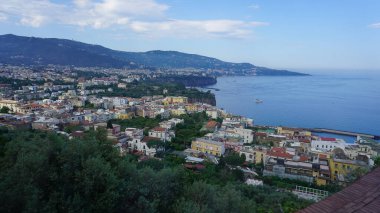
(278, 149)
(328, 139)
(194, 166)
(147, 139)
(279, 152)
(304, 140)
(262, 134)
(211, 124)
(159, 129)
(304, 158)
(361, 196)
(280, 155)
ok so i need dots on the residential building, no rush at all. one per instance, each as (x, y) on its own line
(327, 144)
(132, 132)
(208, 146)
(140, 144)
(341, 168)
(175, 100)
(246, 134)
(305, 171)
(293, 132)
(254, 155)
(161, 133)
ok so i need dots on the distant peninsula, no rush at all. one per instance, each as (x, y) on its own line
(32, 51)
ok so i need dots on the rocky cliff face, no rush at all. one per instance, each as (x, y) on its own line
(189, 80)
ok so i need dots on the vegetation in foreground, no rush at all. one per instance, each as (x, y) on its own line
(45, 172)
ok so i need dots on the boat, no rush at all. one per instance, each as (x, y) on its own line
(258, 101)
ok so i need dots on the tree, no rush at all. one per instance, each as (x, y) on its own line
(4, 109)
(46, 172)
(156, 144)
(154, 164)
(356, 174)
(377, 161)
(109, 124)
(234, 159)
(101, 134)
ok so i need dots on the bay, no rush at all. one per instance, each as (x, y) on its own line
(348, 102)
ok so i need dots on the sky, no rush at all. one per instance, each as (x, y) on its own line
(305, 35)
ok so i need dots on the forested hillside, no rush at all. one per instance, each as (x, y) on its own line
(46, 172)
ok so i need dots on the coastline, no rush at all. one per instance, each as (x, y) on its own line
(330, 101)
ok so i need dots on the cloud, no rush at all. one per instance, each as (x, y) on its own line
(97, 14)
(375, 25)
(3, 17)
(196, 28)
(114, 12)
(32, 13)
(144, 17)
(34, 21)
(254, 6)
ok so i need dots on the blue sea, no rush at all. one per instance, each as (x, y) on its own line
(348, 102)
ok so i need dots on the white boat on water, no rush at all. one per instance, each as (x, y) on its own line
(258, 101)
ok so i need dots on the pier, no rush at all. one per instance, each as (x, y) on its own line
(348, 133)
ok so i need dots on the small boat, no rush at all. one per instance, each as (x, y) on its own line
(258, 101)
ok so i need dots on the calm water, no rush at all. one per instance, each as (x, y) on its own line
(349, 102)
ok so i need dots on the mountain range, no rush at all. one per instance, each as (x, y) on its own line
(20, 50)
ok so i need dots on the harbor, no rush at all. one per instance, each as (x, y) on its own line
(346, 133)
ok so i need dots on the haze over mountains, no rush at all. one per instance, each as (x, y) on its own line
(20, 50)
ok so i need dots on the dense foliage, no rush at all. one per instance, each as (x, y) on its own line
(4, 109)
(189, 130)
(150, 88)
(289, 184)
(18, 83)
(234, 159)
(46, 172)
(377, 161)
(187, 80)
(137, 122)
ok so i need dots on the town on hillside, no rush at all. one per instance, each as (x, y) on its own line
(160, 121)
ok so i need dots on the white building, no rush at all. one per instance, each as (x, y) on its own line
(119, 102)
(132, 132)
(327, 144)
(139, 143)
(214, 114)
(161, 133)
(171, 123)
(246, 134)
